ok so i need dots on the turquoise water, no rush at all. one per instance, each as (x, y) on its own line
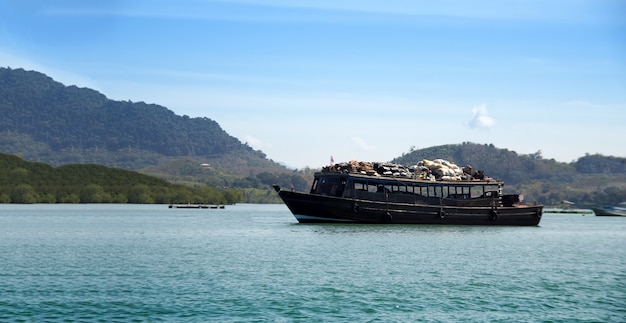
(254, 263)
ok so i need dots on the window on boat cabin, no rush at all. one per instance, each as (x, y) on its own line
(425, 190)
(377, 187)
(371, 187)
(359, 186)
(340, 187)
(399, 188)
(459, 192)
(381, 188)
(328, 186)
(314, 186)
(477, 191)
(491, 191)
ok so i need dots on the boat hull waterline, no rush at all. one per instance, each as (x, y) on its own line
(312, 208)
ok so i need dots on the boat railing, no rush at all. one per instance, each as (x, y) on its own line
(411, 198)
(476, 201)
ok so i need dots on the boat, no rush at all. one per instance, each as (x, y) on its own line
(391, 197)
(618, 210)
(568, 211)
(195, 206)
(567, 208)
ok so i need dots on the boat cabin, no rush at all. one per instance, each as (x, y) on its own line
(413, 191)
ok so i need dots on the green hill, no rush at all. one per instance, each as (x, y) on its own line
(591, 180)
(42, 117)
(31, 182)
(46, 121)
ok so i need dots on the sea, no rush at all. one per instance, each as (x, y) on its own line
(255, 263)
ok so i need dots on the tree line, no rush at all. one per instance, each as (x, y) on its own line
(30, 182)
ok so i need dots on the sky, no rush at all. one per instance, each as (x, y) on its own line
(357, 80)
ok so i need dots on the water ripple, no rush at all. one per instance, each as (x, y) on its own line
(251, 263)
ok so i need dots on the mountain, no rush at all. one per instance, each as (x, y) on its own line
(46, 121)
(53, 118)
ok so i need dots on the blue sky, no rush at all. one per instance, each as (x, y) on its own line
(365, 80)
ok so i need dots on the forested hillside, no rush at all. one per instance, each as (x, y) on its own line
(31, 182)
(66, 118)
(591, 180)
(501, 163)
(46, 121)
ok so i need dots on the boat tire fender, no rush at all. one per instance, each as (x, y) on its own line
(387, 218)
(442, 214)
(355, 208)
(494, 215)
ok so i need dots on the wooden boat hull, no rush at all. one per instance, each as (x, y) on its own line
(313, 208)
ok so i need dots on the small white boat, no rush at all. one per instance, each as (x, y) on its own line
(619, 210)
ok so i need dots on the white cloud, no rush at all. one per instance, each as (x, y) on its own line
(360, 142)
(481, 118)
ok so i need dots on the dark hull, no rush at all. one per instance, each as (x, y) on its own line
(193, 206)
(312, 208)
